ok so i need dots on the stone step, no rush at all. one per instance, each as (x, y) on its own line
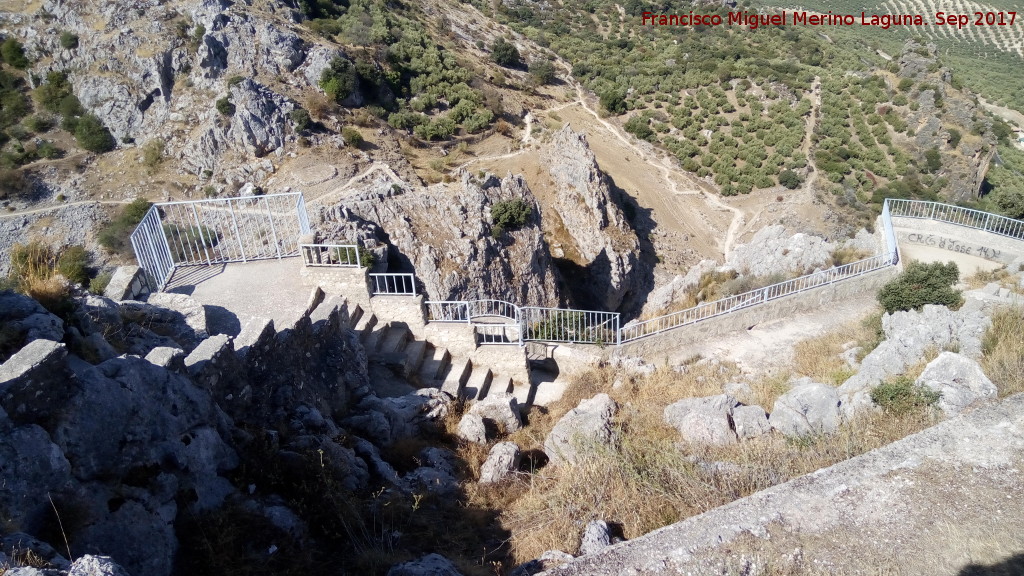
(397, 337)
(458, 374)
(355, 314)
(367, 321)
(499, 385)
(478, 384)
(414, 352)
(435, 362)
(373, 340)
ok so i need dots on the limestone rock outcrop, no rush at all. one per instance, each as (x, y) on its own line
(502, 461)
(444, 233)
(807, 409)
(584, 427)
(586, 210)
(959, 382)
(772, 250)
(703, 420)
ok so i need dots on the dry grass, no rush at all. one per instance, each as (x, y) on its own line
(982, 278)
(648, 479)
(819, 359)
(1003, 349)
(34, 273)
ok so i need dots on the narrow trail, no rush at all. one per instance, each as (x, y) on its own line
(376, 166)
(17, 213)
(664, 164)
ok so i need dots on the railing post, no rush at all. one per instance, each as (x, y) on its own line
(988, 217)
(234, 225)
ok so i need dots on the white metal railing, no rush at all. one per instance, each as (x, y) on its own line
(447, 311)
(393, 284)
(730, 304)
(218, 230)
(497, 333)
(567, 325)
(334, 255)
(492, 308)
(967, 217)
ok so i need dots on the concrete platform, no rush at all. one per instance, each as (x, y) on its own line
(234, 294)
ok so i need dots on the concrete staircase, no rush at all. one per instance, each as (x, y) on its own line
(420, 363)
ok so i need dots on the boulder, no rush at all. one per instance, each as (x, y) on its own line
(583, 427)
(596, 537)
(27, 390)
(437, 475)
(548, 560)
(807, 409)
(773, 250)
(127, 283)
(89, 565)
(472, 429)
(909, 335)
(429, 565)
(959, 381)
(703, 420)
(502, 461)
(24, 320)
(750, 422)
(501, 410)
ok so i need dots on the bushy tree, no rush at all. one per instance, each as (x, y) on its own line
(509, 215)
(13, 53)
(92, 135)
(339, 79)
(921, 283)
(789, 179)
(543, 71)
(932, 159)
(504, 53)
(225, 106)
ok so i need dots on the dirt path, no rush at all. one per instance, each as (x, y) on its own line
(340, 190)
(59, 206)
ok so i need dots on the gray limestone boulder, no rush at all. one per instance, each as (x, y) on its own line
(437, 475)
(386, 420)
(750, 422)
(959, 381)
(167, 357)
(773, 250)
(596, 537)
(26, 320)
(30, 465)
(472, 429)
(501, 410)
(502, 462)
(909, 335)
(548, 560)
(90, 565)
(34, 382)
(806, 410)
(585, 426)
(429, 565)
(703, 420)
(127, 283)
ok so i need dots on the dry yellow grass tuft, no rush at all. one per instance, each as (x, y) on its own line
(819, 359)
(1003, 349)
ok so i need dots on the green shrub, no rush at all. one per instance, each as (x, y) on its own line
(114, 235)
(13, 53)
(235, 80)
(153, 153)
(919, 284)
(339, 79)
(542, 71)
(900, 395)
(504, 53)
(38, 124)
(954, 137)
(639, 126)
(933, 161)
(789, 179)
(73, 264)
(301, 118)
(99, 284)
(225, 106)
(92, 135)
(511, 214)
(68, 40)
(352, 137)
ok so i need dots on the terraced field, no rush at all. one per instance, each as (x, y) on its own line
(982, 38)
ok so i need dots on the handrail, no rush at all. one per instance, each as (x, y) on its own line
(958, 215)
(334, 255)
(392, 284)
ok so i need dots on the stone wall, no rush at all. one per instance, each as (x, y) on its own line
(960, 239)
(349, 282)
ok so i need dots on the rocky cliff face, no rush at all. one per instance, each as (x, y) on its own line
(134, 448)
(940, 108)
(153, 70)
(445, 233)
(586, 209)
